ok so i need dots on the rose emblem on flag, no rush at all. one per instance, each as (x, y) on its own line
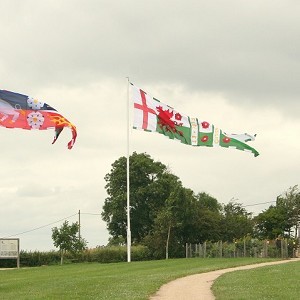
(205, 124)
(152, 115)
(226, 139)
(34, 103)
(204, 139)
(35, 120)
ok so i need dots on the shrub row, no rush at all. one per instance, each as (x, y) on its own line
(114, 254)
(99, 254)
(111, 254)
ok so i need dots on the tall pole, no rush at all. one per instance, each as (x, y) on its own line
(128, 194)
(79, 225)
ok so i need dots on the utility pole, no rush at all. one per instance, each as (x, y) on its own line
(79, 225)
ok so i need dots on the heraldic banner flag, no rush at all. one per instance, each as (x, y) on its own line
(21, 111)
(154, 116)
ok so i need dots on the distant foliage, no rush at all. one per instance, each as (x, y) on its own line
(67, 240)
(115, 254)
(165, 215)
(109, 254)
(248, 246)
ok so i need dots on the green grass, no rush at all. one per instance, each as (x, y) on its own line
(270, 282)
(135, 280)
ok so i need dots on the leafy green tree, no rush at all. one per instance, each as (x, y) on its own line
(289, 205)
(209, 218)
(236, 222)
(66, 239)
(283, 219)
(168, 233)
(150, 185)
(208, 202)
(269, 224)
(160, 237)
(185, 218)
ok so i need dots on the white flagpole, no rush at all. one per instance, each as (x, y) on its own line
(128, 194)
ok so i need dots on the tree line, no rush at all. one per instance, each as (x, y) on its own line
(165, 215)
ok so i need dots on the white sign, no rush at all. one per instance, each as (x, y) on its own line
(9, 248)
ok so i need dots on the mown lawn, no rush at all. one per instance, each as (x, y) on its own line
(135, 280)
(270, 282)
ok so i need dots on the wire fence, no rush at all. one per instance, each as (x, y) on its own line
(279, 248)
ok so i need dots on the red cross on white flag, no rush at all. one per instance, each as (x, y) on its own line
(145, 115)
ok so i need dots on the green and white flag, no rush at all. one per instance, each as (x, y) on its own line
(154, 116)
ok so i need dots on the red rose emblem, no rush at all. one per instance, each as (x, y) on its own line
(178, 116)
(204, 139)
(205, 124)
(226, 139)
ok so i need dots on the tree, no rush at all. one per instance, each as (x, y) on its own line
(236, 222)
(209, 215)
(185, 218)
(159, 238)
(208, 202)
(289, 204)
(164, 215)
(150, 185)
(168, 231)
(66, 239)
(283, 219)
(269, 224)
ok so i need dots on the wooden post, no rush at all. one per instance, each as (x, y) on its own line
(286, 249)
(167, 245)
(266, 249)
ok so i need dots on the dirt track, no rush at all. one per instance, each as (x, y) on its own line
(198, 286)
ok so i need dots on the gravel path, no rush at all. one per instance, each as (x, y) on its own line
(198, 286)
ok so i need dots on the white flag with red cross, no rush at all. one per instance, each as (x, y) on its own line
(152, 115)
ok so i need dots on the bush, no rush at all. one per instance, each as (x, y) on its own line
(37, 258)
(8, 263)
(108, 254)
(115, 254)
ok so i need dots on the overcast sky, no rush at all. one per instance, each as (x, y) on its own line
(233, 63)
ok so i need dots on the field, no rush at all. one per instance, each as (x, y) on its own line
(135, 280)
(271, 282)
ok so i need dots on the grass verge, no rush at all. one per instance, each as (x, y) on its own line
(270, 282)
(135, 280)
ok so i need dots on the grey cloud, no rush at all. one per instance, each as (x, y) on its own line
(246, 50)
(37, 191)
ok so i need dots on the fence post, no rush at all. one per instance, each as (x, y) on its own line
(255, 252)
(282, 248)
(186, 250)
(286, 249)
(266, 249)
(204, 250)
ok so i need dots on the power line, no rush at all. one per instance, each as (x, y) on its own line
(41, 226)
(94, 214)
(259, 203)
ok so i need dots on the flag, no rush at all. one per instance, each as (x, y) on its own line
(21, 111)
(154, 116)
